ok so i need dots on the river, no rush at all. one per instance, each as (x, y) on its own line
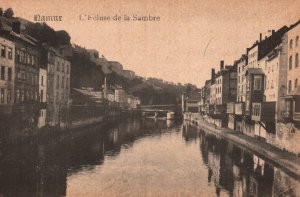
(137, 157)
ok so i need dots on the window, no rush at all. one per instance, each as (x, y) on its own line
(63, 68)
(257, 82)
(17, 96)
(296, 83)
(296, 60)
(9, 54)
(272, 84)
(33, 60)
(63, 82)
(297, 40)
(18, 57)
(2, 72)
(291, 43)
(8, 96)
(26, 58)
(68, 69)
(9, 74)
(2, 95)
(42, 80)
(57, 68)
(29, 59)
(21, 56)
(57, 83)
(291, 62)
(42, 95)
(67, 83)
(3, 51)
(290, 86)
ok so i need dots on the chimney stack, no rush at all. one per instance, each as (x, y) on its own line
(260, 37)
(221, 65)
(213, 74)
(16, 27)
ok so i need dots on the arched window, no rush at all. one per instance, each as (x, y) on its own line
(296, 60)
(291, 43)
(291, 62)
(290, 86)
(296, 83)
(297, 40)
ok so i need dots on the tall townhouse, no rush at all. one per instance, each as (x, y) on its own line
(274, 66)
(264, 66)
(42, 96)
(241, 78)
(26, 80)
(58, 86)
(292, 111)
(225, 92)
(7, 77)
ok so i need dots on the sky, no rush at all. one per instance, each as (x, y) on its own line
(191, 37)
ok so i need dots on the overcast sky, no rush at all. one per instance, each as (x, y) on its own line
(191, 37)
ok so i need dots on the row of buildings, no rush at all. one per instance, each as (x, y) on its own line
(116, 96)
(259, 94)
(34, 77)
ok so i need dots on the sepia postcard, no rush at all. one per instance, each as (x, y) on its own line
(149, 98)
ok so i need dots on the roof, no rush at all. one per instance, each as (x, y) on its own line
(22, 37)
(255, 71)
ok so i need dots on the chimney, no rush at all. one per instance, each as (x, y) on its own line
(260, 37)
(221, 65)
(213, 74)
(16, 27)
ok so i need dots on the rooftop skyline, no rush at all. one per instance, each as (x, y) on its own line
(190, 38)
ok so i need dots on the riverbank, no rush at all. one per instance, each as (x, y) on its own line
(289, 162)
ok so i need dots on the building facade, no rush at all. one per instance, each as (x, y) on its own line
(292, 111)
(7, 78)
(58, 87)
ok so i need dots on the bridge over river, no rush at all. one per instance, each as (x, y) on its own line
(160, 110)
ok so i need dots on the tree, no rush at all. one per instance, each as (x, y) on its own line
(9, 13)
(1, 11)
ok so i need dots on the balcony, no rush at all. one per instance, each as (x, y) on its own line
(230, 108)
(263, 111)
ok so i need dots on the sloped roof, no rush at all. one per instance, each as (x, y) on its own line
(256, 71)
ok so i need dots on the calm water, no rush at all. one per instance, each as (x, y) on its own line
(138, 158)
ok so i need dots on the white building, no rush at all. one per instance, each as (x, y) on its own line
(293, 73)
(241, 80)
(274, 66)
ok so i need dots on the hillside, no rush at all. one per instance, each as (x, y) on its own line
(85, 73)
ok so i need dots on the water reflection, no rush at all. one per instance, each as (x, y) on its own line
(238, 172)
(137, 157)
